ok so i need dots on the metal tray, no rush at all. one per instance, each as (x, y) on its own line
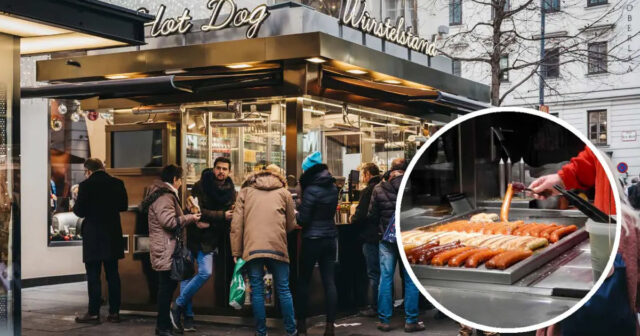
(519, 270)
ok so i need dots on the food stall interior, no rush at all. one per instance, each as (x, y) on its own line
(463, 175)
(259, 102)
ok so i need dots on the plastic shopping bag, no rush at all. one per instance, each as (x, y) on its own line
(237, 290)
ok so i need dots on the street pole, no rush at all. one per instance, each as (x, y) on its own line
(542, 23)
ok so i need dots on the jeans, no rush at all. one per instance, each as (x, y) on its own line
(189, 288)
(166, 287)
(388, 259)
(280, 272)
(322, 251)
(371, 253)
(94, 285)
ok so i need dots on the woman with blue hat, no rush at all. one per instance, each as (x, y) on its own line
(316, 215)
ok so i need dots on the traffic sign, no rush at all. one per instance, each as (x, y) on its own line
(622, 167)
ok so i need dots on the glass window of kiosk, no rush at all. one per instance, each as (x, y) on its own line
(250, 133)
(68, 149)
(349, 135)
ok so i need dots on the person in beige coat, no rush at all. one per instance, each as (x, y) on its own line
(264, 213)
(165, 217)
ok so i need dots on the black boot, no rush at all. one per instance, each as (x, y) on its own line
(330, 329)
(302, 327)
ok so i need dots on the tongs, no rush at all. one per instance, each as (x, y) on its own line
(519, 187)
(584, 206)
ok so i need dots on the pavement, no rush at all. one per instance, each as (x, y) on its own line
(50, 310)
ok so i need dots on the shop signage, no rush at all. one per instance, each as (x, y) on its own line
(629, 136)
(237, 18)
(354, 13)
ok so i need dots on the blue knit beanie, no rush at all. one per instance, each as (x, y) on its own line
(311, 160)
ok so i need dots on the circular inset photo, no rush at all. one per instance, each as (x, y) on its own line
(507, 220)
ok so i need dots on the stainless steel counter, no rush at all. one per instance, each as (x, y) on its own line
(543, 294)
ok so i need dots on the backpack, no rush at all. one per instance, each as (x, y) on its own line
(389, 234)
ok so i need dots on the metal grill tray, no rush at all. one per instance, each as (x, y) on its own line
(518, 270)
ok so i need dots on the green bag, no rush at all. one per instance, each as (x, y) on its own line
(237, 290)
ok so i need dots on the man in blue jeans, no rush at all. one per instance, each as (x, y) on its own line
(381, 210)
(215, 194)
(263, 215)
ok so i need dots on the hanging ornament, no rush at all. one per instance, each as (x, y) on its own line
(62, 109)
(75, 116)
(92, 115)
(56, 124)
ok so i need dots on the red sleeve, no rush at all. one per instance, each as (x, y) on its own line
(580, 173)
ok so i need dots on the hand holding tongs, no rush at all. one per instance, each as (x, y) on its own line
(519, 187)
(584, 206)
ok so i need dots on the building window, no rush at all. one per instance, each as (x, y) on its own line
(504, 64)
(597, 57)
(591, 3)
(551, 66)
(392, 9)
(551, 6)
(506, 9)
(598, 127)
(456, 68)
(455, 12)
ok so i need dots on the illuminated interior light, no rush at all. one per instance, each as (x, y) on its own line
(60, 42)
(239, 66)
(356, 71)
(316, 60)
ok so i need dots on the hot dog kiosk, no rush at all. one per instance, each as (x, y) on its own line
(258, 101)
(461, 177)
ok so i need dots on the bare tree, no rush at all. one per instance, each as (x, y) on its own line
(330, 7)
(513, 29)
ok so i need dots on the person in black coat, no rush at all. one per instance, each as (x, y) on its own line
(369, 234)
(101, 198)
(316, 215)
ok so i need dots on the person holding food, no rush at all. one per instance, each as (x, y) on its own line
(212, 196)
(165, 220)
(612, 309)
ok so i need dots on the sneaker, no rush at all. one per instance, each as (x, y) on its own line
(188, 324)
(175, 313)
(113, 318)
(369, 312)
(89, 319)
(413, 327)
(383, 326)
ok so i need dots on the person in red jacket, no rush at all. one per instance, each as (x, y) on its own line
(582, 172)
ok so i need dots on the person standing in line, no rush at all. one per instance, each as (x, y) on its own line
(216, 194)
(369, 235)
(316, 215)
(381, 210)
(263, 215)
(165, 219)
(101, 198)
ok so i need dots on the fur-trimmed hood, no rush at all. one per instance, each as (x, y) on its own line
(265, 180)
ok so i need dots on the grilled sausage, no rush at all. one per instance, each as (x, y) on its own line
(547, 232)
(521, 229)
(414, 254)
(479, 257)
(559, 233)
(427, 255)
(506, 204)
(443, 257)
(462, 257)
(506, 259)
(535, 232)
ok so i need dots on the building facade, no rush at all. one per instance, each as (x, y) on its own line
(591, 75)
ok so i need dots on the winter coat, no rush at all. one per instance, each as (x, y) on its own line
(368, 230)
(101, 197)
(584, 172)
(165, 216)
(317, 209)
(383, 201)
(264, 212)
(214, 201)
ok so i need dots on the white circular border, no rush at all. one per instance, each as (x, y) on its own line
(458, 121)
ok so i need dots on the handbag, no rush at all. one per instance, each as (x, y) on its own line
(182, 266)
(389, 234)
